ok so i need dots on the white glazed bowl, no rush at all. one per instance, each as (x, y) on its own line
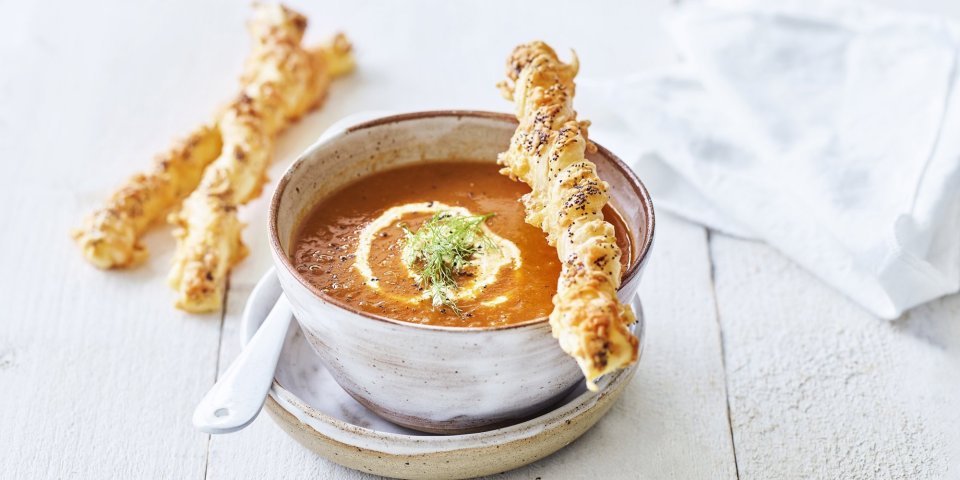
(432, 378)
(305, 403)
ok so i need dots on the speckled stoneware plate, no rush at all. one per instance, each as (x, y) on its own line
(309, 405)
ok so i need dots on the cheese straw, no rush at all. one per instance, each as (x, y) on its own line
(282, 81)
(547, 153)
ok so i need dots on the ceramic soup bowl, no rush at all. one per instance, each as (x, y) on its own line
(432, 378)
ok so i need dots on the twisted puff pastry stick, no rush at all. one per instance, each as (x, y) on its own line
(282, 81)
(547, 153)
(110, 236)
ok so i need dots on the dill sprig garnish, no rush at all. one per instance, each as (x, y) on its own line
(441, 250)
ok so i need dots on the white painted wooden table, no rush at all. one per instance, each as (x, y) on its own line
(753, 369)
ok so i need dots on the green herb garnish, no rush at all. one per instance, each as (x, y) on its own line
(441, 250)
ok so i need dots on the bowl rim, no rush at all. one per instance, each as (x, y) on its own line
(280, 257)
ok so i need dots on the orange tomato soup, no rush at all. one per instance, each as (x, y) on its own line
(325, 246)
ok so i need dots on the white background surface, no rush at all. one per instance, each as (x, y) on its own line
(753, 369)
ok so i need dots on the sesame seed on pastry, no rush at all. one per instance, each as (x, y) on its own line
(547, 152)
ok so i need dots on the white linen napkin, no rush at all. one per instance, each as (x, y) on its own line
(830, 132)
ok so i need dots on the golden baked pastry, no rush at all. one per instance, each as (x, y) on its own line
(110, 236)
(281, 82)
(547, 152)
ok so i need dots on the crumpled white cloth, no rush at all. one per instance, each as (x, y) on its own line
(831, 132)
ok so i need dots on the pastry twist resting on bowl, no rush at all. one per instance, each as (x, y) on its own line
(547, 153)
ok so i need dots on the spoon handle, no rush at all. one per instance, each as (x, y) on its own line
(237, 397)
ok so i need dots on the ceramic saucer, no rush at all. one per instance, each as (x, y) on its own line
(308, 404)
